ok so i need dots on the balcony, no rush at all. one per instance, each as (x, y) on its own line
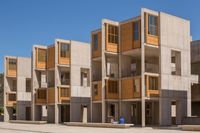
(131, 87)
(112, 90)
(11, 65)
(97, 91)
(152, 86)
(41, 96)
(96, 44)
(63, 95)
(11, 99)
(63, 53)
(41, 59)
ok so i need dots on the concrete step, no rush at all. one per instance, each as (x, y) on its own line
(190, 127)
(99, 125)
(27, 122)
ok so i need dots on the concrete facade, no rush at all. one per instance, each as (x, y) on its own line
(78, 96)
(165, 56)
(22, 101)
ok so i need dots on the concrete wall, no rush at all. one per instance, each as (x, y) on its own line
(97, 112)
(76, 105)
(23, 72)
(80, 58)
(174, 35)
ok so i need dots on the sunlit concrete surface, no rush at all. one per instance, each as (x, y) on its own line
(53, 128)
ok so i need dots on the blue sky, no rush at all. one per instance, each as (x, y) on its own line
(27, 22)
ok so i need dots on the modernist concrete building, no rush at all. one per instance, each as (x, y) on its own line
(61, 82)
(195, 69)
(17, 88)
(141, 69)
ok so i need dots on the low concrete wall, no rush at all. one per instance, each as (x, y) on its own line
(99, 125)
(191, 121)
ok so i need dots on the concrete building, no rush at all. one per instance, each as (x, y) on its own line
(17, 88)
(1, 90)
(195, 69)
(141, 70)
(61, 82)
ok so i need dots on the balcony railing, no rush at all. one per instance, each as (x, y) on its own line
(152, 86)
(112, 90)
(63, 95)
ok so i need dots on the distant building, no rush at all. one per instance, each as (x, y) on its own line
(17, 88)
(1, 90)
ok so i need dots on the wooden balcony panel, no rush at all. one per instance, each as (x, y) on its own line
(11, 98)
(97, 92)
(41, 96)
(63, 95)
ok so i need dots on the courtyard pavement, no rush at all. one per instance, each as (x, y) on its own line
(53, 128)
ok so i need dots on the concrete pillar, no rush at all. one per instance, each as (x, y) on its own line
(103, 70)
(142, 69)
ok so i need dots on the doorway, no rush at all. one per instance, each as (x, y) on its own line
(65, 113)
(134, 113)
(84, 113)
(28, 113)
(173, 112)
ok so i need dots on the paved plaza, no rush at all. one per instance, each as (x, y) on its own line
(53, 128)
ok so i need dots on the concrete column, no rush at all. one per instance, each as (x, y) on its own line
(103, 70)
(142, 69)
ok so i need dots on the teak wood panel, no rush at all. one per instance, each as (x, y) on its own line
(51, 57)
(10, 103)
(127, 88)
(151, 39)
(51, 95)
(39, 100)
(97, 97)
(39, 65)
(110, 47)
(64, 99)
(151, 93)
(127, 36)
(63, 60)
(97, 52)
(10, 73)
(111, 95)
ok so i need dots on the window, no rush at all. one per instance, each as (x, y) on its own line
(14, 85)
(12, 97)
(112, 34)
(112, 110)
(84, 77)
(42, 55)
(95, 40)
(28, 85)
(175, 62)
(64, 50)
(152, 25)
(136, 85)
(12, 64)
(65, 78)
(136, 31)
(95, 89)
(153, 83)
(113, 87)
